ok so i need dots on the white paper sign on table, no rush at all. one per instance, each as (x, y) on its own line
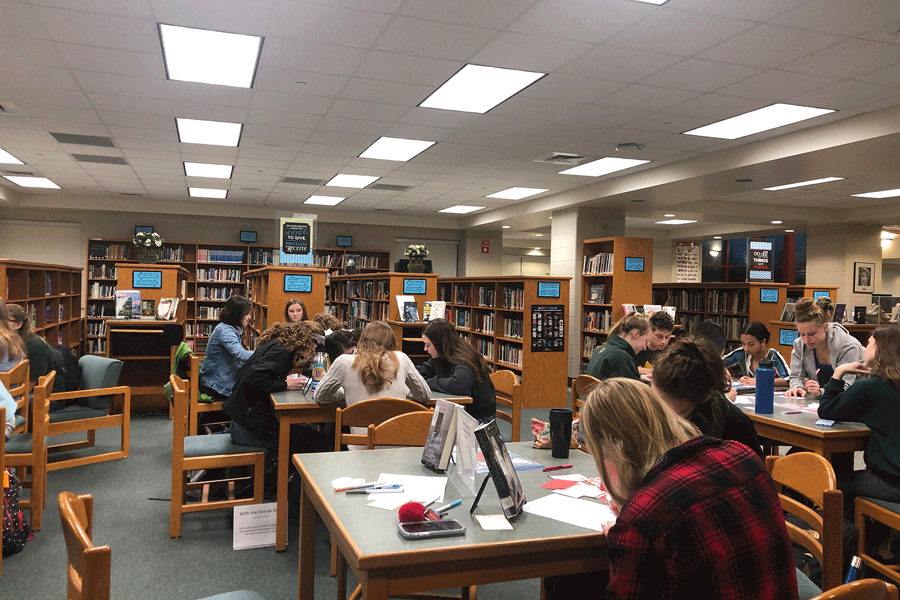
(582, 513)
(254, 526)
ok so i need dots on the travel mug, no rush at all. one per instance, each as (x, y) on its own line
(560, 432)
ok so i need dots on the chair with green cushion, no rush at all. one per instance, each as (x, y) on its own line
(98, 404)
(186, 365)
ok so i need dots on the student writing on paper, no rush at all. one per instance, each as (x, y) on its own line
(697, 517)
(455, 367)
(341, 341)
(618, 356)
(376, 370)
(753, 349)
(820, 348)
(225, 352)
(873, 399)
(661, 327)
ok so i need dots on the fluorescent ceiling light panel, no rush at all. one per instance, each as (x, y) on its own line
(675, 222)
(517, 193)
(352, 181)
(763, 119)
(461, 209)
(478, 89)
(8, 159)
(803, 183)
(603, 166)
(388, 148)
(32, 182)
(881, 194)
(203, 56)
(324, 200)
(506, 226)
(192, 169)
(211, 133)
(197, 192)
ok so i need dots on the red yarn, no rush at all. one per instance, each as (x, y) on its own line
(411, 512)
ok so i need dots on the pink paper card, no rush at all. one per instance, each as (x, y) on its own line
(558, 484)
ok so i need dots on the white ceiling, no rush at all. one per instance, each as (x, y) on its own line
(335, 75)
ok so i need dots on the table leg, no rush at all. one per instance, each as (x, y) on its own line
(375, 589)
(281, 518)
(307, 550)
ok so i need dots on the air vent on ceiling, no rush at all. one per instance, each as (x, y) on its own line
(18, 173)
(561, 158)
(96, 158)
(387, 187)
(382, 210)
(83, 140)
(302, 181)
(131, 194)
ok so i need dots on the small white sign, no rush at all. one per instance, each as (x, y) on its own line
(254, 526)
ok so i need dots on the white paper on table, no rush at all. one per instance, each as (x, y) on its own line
(575, 477)
(582, 513)
(416, 488)
(387, 501)
(745, 400)
(579, 490)
(493, 522)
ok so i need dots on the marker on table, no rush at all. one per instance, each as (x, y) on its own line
(430, 502)
(386, 489)
(556, 468)
(361, 485)
(447, 507)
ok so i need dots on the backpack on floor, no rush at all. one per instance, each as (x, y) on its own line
(15, 529)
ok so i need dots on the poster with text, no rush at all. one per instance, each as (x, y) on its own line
(687, 262)
(296, 241)
(548, 328)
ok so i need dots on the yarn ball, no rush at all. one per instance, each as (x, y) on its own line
(411, 512)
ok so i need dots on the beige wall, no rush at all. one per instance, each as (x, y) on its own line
(534, 266)
(473, 262)
(890, 280)
(830, 256)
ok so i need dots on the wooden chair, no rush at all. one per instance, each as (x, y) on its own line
(813, 477)
(409, 429)
(17, 383)
(90, 566)
(887, 513)
(196, 452)
(195, 406)
(99, 404)
(509, 401)
(581, 387)
(864, 589)
(27, 452)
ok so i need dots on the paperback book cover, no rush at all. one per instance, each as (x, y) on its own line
(501, 469)
(402, 301)
(597, 293)
(410, 312)
(166, 308)
(788, 313)
(128, 304)
(148, 309)
(441, 435)
(438, 310)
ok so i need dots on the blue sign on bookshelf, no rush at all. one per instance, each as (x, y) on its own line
(820, 294)
(146, 280)
(414, 286)
(786, 337)
(768, 294)
(548, 289)
(298, 283)
(634, 263)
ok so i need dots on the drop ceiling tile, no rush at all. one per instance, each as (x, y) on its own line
(668, 123)
(131, 119)
(405, 68)
(715, 107)
(29, 50)
(274, 155)
(299, 82)
(272, 118)
(888, 76)
(543, 54)
(647, 98)
(576, 20)
(322, 160)
(126, 144)
(769, 46)
(137, 9)
(480, 138)
(701, 75)
(370, 90)
(430, 117)
(37, 95)
(571, 89)
(534, 108)
(25, 75)
(249, 18)
(777, 86)
(211, 112)
(137, 135)
(758, 10)
(63, 113)
(362, 141)
(416, 132)
(374, 129)
(496, 14)
(332, 150)
(296, 102)
(847, 95)
(848, 59)
(315, 23)
(121, 85)
(432, 39)
(606, 63)
(143, 104)
(686, 33)
(352, 109)
(140, 65)
(295, 55)
(213, 95)
(105, 31)
(841, 17)
(156, 154)
(20, 20)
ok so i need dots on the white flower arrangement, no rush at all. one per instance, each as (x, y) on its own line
(148, 240)
(416, 251)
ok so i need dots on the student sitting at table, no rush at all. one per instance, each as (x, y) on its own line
(225, 352)
(341, 341)
(376, 370)
(820, 348)
(661, 327)
(690, 377)
(697, 517)
(329, 322)
(295, 311)
(455, 367)
(745, 360)
(618, 356)
(873, 400)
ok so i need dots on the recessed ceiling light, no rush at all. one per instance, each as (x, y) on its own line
(539, 235)
(352, 181)
(603, 166)
(755, 121)
(789, 231)
(32, 182)
(461, 209)
(204, 56)
(517, 193)
(777, 222)
(506, 226)
(8, 159)
(535, 252)
(888, 235)
(478, 89)
(675, 222)
(882, 194)
(196, 192)
(669, 215)
(192, 169)
(537, 247)
(802, 183)
(388, 148)
(717, 237)
(212, 133)
(324, 200)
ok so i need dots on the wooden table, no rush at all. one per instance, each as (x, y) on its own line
(801, 429)
(293, 406)
(387, 565)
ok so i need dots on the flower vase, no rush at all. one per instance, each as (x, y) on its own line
(416, 265)
(147, 255)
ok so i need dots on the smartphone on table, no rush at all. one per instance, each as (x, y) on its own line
(423, 530)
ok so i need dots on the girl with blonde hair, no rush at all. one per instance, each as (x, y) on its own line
(12, 349)
(698, 517)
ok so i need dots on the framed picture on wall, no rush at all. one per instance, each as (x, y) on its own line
(863, 278)
(143, 229)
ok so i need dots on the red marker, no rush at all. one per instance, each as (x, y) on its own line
(557, 468)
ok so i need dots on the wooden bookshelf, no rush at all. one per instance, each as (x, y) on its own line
(624, 268)
(358, 299)
(731, 305)
(516, 323)
(266, 292)
(51, 297)
(335, 260)
(409, 340)
(215, 273)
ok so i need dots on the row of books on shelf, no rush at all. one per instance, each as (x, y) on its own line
(205, 292)
(99, 290)
(208, 312)
(462, 318)
(366, 309)
(217, 255)
(486, 297)
(259, 256)
(197, 345)
(204, 274)
(513, 328)
(510, 354)
(693, 300)
(109, 251)
(599, 264)
(95, 346)
(484, 323)
(199, 329)
(514, 298)
(172, 253)
(339, 261)
(485, 347)
(588, 345)
(648, 309)
(358, 289)
(97, 328)
(728, 301)
(598, 320)
(102, 271)
(597, 293)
